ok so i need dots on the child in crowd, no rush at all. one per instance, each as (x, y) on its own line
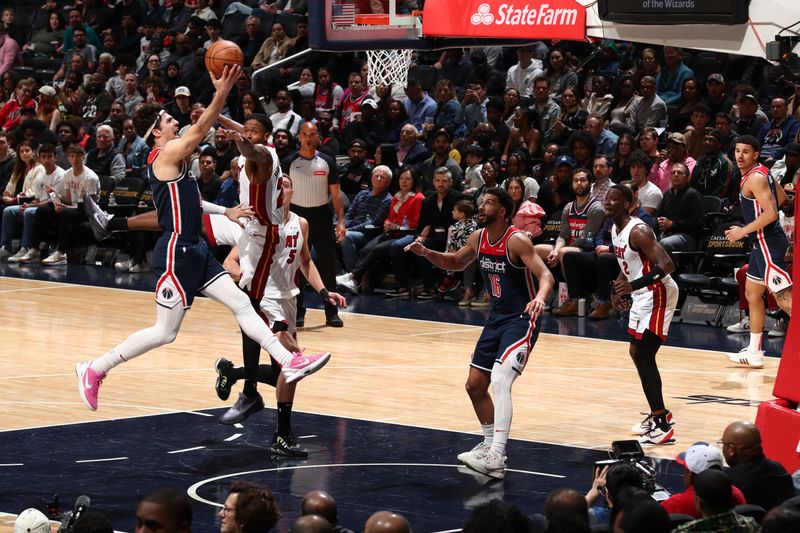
(458, 233)
(473, 180)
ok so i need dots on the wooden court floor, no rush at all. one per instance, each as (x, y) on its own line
(577, 391)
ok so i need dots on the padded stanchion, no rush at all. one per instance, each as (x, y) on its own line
(787, 383)
(779, 423)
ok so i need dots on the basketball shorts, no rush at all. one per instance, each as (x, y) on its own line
(221, 231)
(654, 309)
(505, 337)
(280, 314)
(767, 266)
(186, 266)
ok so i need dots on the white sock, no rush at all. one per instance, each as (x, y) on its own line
(488, 433)
(755, 343)
(107, 361)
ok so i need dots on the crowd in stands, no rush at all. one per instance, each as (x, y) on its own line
(754, 493)
(555, 123)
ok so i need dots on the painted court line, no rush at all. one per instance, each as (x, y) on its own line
(188, 449)
(445, 331)
(12, 464)
(231, 438)
(104, 460)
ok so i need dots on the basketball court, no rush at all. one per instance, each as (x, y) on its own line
(383, 421)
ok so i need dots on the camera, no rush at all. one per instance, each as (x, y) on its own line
(630, 451)
(68, 522)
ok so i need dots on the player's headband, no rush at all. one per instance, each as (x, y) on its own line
(155, 123)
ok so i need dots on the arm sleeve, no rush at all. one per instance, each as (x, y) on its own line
(563, 234)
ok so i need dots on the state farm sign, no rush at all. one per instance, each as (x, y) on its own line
(555, 19)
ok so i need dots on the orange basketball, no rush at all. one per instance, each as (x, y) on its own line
(223, 53)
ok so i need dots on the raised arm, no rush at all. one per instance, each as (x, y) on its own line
(230, 124)
(458, 260)
(178, 149)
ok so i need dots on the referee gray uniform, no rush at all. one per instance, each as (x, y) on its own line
(310, 181)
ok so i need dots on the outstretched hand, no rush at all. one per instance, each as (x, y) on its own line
(225, 83)
(231, 135)
(238, 212)
(335, 298)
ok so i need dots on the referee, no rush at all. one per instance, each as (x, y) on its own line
(315, 177)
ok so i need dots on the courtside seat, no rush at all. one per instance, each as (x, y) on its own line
(678, 519)
(753, 511)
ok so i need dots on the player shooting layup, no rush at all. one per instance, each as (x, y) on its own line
(181, 255)
(506, 259)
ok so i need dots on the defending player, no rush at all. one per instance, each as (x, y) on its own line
(761, 198)
(645, 269)
(278, 308)
(183, 258)
(506, 259)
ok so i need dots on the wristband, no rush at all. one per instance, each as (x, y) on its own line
(213, 209)
(325, 294)
(654, 275)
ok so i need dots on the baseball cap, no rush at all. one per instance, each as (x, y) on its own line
(369, 102)
(182, 91)
(700, 457)
(31, 521)
(717, 78)
(750, 97)
(357, 142)
(565, 160)
(714, 132)
(677, 138)
(47, 90)
(793, 148)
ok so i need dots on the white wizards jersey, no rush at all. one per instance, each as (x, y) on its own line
(283, 271)
(634, 263)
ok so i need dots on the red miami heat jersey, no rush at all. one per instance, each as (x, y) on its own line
(510, 286)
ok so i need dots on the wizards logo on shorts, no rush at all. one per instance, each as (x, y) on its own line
(777, 280)
(520, 358)
(166, 293)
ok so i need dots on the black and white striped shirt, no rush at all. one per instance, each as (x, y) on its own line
(311, 178)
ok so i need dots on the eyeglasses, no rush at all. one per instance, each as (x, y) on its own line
(228, 510)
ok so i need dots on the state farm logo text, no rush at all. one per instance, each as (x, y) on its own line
(508, 14)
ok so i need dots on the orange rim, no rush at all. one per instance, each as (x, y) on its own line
(382, 19)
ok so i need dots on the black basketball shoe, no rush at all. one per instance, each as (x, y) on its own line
(287, 446)
(224, 382)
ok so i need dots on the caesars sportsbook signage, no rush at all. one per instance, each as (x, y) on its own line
(543, 19)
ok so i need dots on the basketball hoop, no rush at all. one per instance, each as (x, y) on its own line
(388, 66)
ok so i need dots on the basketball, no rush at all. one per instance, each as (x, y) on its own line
(223, 53)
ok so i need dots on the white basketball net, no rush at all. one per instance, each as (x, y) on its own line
(387, 67)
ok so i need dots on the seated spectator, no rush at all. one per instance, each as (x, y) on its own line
(494, 116)
(304, 85)
(350, 105)
(47, 40)
(320, 503)
(208, 181)
(410, 150)
(681, 214)
(356, 175)
(599, 101)
(675, 153)
(724, 123)
(713, 501)
(525, 134)
(94, 102)
(717, 100)
(490, 173)
(464, 224)
(134, 149)
(31, 520)
(750, 118)
(651, 111)
(436, 217)
(571, 118)
(697, 459)
(669, 81)
(485, 136)
(387, 521)
(105, 159)
(311, 524)
(557, 190)
(623, 105)
(781, 520)
(473, 108)
(327, 93)
(776, 134)
(252, 40)
(225, 151)
(696, 131)
(248, 508)
(419, 107)
(285, 118)
(620, 170)
(473, 177)
(518, 168)
(88, 52)
(398, 231)
(481, 70)
(229, 190)
(544, 104)
(388, 131)
(713, 171)
(167, 510)
(79, 180)
(522, 75)
(447, 107)
(787, 170)
(180, 108)
(495, 515)
(601, 169)
(560, 74)
(440, 158)
(638, 512)
(649, 65)
(581, 220)
(366, 215)
(680, 114)
(541, 172)
(763, 481)
(10, 113)
(67, 134)
(47, 177)
(606, 139)
(510, 104)
(17, 194)
(527, 214)
(8, 159)
(48, 111)
(611, 482)
(274, 47)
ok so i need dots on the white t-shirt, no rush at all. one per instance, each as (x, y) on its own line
(650, 196)
(44, 180)
(74, 187)
(286, 121)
